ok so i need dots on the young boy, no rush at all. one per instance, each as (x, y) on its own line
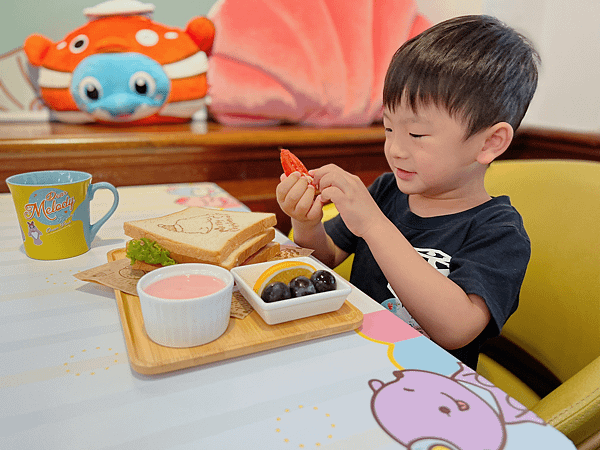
(427, 236)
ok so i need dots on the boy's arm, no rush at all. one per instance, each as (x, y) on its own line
(316, 238)
(450, 317)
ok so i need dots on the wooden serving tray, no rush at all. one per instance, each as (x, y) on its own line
(242, 337)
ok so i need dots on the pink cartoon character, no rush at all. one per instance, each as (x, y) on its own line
(424, 410)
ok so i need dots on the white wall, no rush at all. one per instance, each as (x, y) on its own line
(438, 10)
(565, 32)
(567, 36)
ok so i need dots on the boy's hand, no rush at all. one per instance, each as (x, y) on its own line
(296, 197)
(350, 196)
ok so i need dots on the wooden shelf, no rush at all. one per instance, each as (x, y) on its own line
(243, 160)
(50, 136)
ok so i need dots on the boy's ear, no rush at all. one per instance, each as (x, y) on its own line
(497, 138)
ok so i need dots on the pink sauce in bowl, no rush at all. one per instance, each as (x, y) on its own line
(181, 287)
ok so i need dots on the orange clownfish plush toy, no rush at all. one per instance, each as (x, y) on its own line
(122, 67)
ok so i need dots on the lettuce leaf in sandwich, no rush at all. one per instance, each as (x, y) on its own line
(148, 251)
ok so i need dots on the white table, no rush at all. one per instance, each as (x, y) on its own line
(66, 383)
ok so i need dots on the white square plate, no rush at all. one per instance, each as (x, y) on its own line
(292, 308)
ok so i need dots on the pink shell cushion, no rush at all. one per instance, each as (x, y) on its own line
(314, 62)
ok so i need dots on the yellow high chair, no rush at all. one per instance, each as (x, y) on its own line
(548, 355)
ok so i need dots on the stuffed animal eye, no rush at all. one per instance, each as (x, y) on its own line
(142, 83)
(79, 43)
(90, 89)
(147, 38)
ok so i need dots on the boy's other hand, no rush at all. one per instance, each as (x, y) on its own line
(350, 196)
(296, 198)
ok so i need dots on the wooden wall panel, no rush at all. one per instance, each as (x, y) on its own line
(243, 160)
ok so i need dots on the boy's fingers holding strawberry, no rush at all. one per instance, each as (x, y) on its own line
(305, 202)
(325, 176)
(295, 200)
(317, 174)
(333, 194)
(297, 190)
(316, 210)
(284, 186)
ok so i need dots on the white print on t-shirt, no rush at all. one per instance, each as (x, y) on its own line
(436, 258)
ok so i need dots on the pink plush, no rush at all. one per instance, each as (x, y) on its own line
(313, 62)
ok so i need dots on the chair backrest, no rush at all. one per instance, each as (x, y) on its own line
(558, 319)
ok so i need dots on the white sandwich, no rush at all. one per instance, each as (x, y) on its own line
(223, 238)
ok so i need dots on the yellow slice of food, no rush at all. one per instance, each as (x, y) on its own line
(285, 272)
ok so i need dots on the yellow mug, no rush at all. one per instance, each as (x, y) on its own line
(53, 208)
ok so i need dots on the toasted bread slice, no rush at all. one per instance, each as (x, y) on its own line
(238, 255)
(206, 235)
(247, 249)
(268, 252)
(255, 246)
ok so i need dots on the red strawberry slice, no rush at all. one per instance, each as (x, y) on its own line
(291, 163)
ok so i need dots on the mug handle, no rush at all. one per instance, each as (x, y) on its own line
(91, 189)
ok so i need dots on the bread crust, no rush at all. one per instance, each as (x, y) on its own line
(238, 256)
(267, 253)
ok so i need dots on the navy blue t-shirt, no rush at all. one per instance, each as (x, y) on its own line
(484, 250)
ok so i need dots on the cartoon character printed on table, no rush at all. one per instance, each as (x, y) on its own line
(425, 410)
(34, 233)
(205, 196)
(123, 67)
(395, 306)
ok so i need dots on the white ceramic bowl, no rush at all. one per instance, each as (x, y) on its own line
(186, 322)
(292, 308)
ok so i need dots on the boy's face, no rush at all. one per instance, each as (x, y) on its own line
(428, 154)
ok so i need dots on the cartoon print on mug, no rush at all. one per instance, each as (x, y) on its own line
(50, 206)
(420, 409)
(34, 233)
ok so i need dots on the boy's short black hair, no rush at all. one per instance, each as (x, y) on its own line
(480, 70)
